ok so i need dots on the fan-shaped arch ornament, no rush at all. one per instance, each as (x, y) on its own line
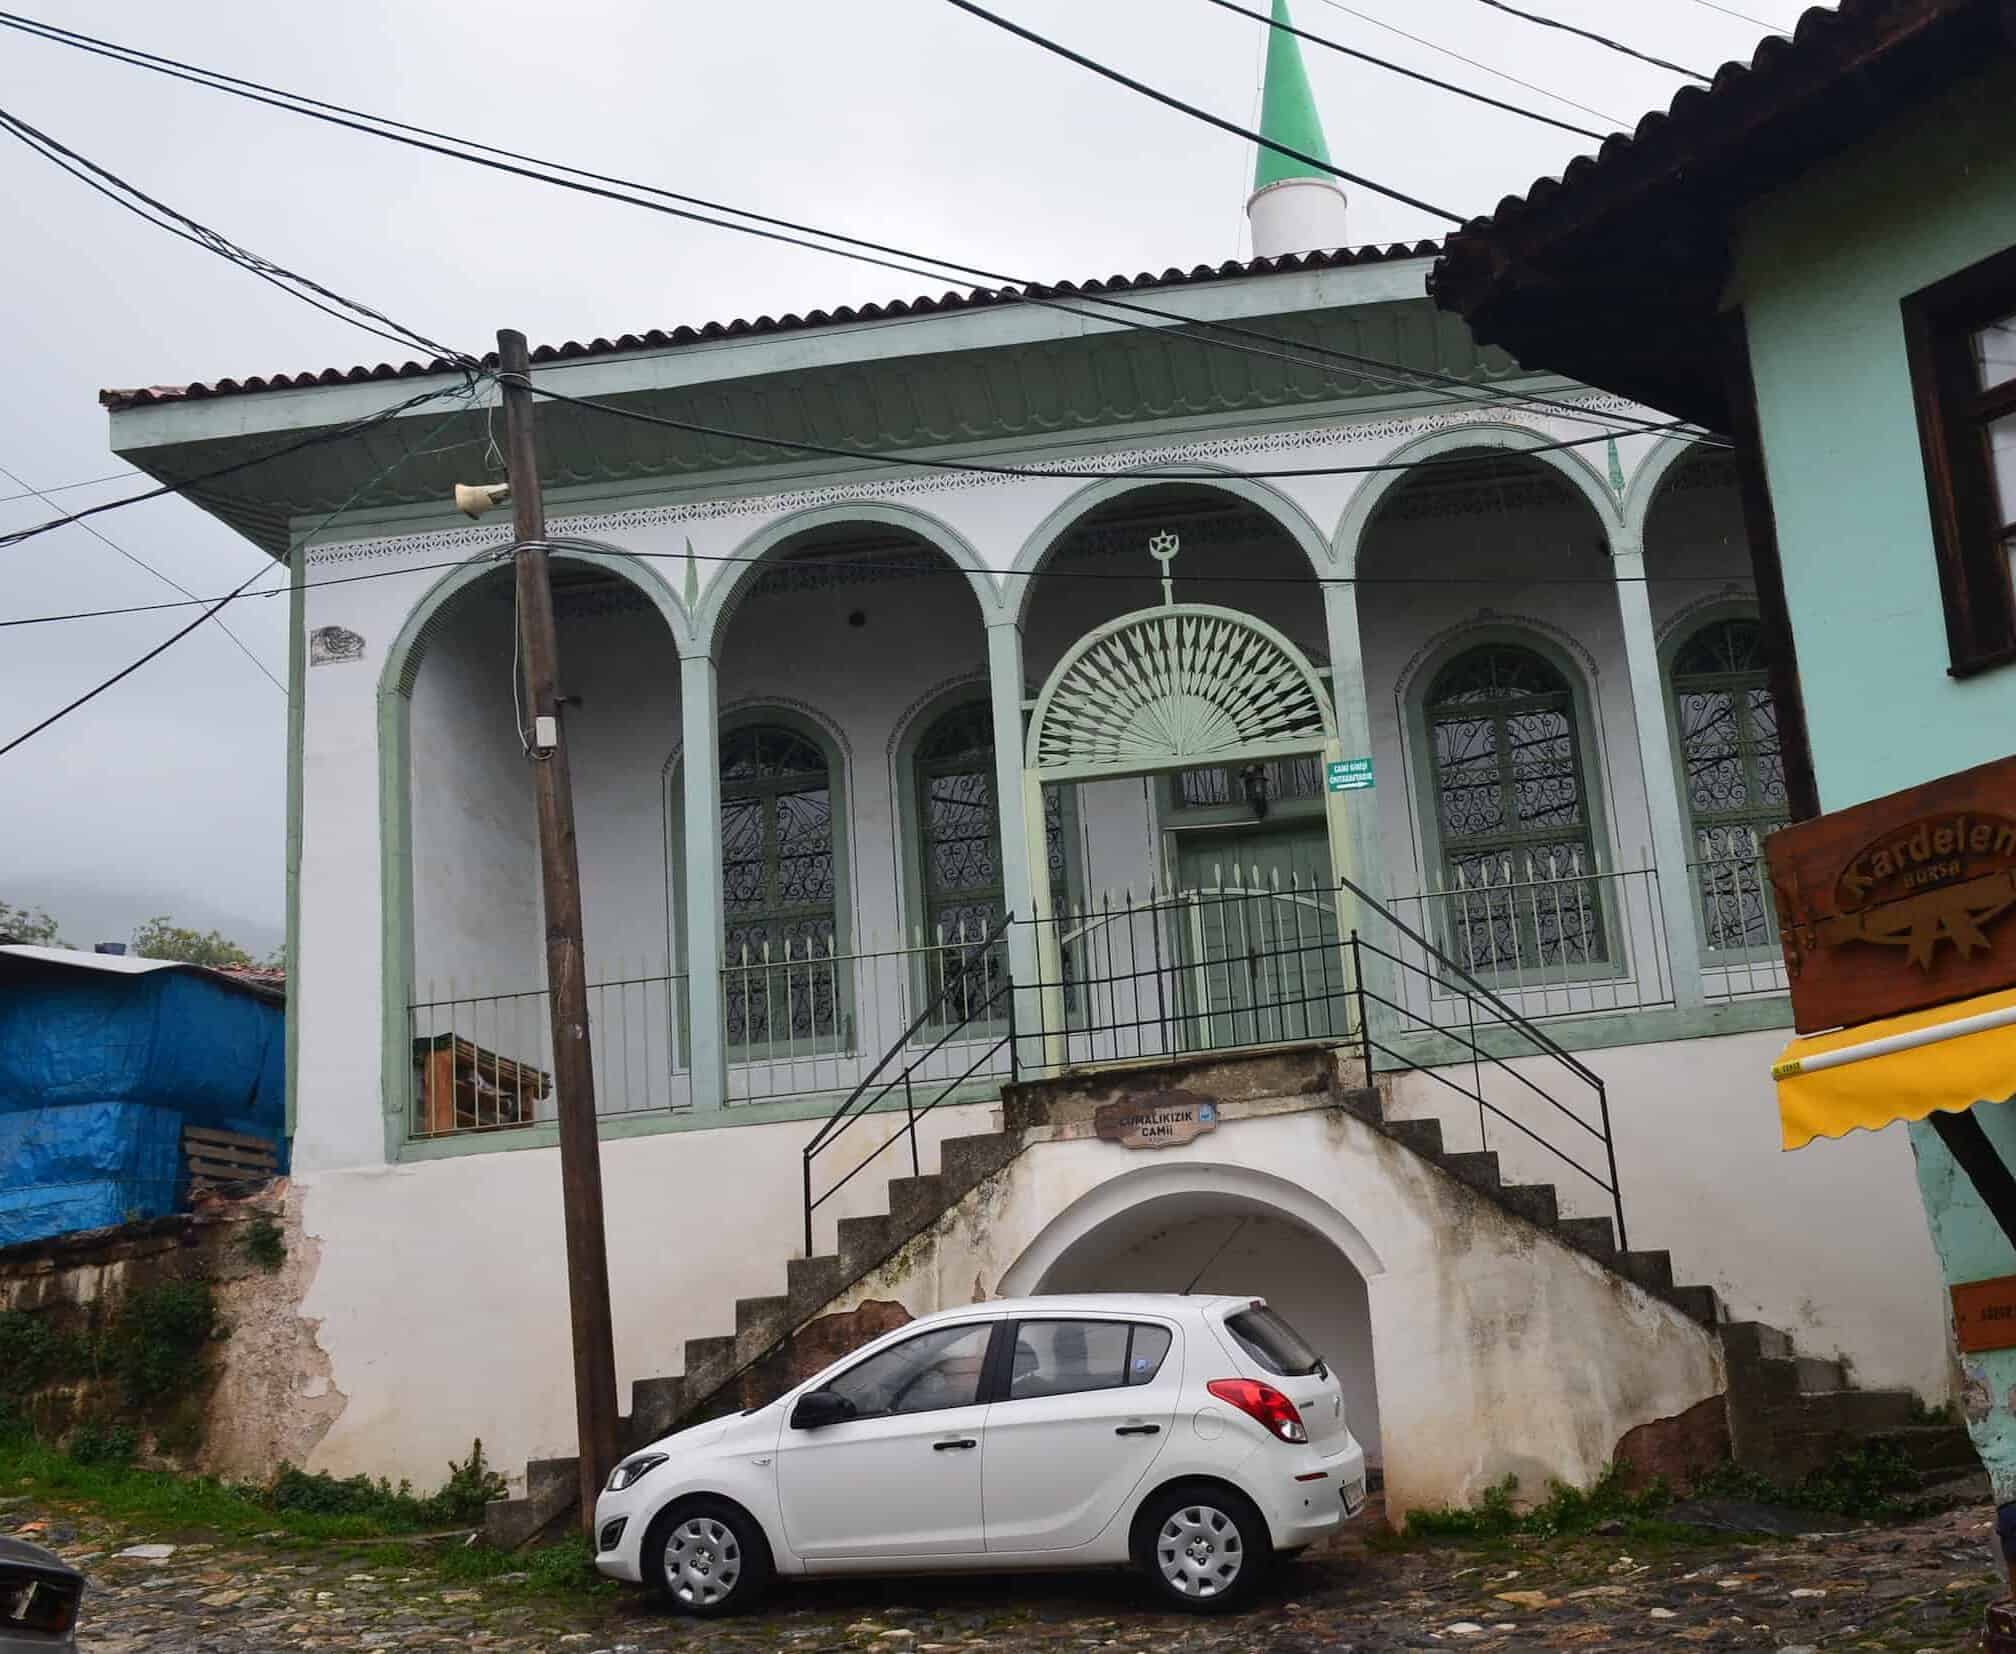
(1173, 687)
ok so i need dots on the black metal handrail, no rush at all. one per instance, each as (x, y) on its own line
(864, 1097)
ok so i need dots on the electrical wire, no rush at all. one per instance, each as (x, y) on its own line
(180, 224)
(1546, 22)
(1743, 16)
(1411, 74)
(1072, 475)
(1036, 293)
(1616, 121)
(213, 610)
(313, 440)
(43, 494)
(1205, 115)
(127, 671)
(141, 563)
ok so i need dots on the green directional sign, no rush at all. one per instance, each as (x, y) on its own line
(1349, 775)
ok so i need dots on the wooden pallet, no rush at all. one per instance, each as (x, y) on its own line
(219, 1159)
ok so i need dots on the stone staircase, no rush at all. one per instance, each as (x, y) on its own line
(1786, 1412)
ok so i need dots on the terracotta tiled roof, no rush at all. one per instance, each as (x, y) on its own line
(1613, 272)
(977, 298)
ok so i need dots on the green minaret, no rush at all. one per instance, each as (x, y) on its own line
(1288, 110)
(1295, 207)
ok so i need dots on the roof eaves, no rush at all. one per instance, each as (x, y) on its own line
(951, 302)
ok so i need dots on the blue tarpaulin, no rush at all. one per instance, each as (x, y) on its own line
(99, 1072)
(85, 1166)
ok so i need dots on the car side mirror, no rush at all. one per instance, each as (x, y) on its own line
(818, 1408)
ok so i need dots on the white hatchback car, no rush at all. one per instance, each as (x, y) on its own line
(1192, 1437)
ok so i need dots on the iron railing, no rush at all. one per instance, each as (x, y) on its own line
(485, 1062)
(1258, 962)
(966, 1026)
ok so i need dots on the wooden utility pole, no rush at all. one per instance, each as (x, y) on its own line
(566, 970)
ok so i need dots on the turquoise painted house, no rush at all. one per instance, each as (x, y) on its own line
(1817, 255)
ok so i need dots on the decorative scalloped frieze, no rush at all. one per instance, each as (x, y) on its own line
(611, 525)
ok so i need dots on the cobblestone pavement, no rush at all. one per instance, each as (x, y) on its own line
(1920, 1587)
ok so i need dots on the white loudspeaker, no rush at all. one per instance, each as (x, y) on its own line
(473, 502)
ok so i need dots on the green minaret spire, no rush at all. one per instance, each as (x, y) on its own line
(1288, 110)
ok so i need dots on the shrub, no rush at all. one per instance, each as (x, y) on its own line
(264, 1242)
(98, 1443)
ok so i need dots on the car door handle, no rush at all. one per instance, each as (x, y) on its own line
(947, 1447)
(1139, 1430)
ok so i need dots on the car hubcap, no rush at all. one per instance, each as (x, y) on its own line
(703, 1562)
(1199, 1551)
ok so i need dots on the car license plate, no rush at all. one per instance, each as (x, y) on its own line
(1354, 1498)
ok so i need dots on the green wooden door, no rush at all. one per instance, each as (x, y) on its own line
(1256, 923)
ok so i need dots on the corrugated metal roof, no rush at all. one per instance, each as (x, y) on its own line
(977, 298)
(264, 983)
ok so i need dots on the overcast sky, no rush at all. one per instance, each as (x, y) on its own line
(901, 120)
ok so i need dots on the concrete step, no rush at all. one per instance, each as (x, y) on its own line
(1480, 1171)
(1363, 1101)
(1756, 1341)
(916, 1201)
(1424, 1137)
(1595, 1236)
(763, 1315)
(1535, 1202)
(1652, 1270)
(551, 1491)
(865, 1242)
(1816, 1374)
(709, 1362)
(1700, 1303)
(1941, 1449)
(813, 1282)
(964, 1162)
(1861, 1412)
(655, 1406)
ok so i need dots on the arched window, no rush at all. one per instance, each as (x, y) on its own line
(956, 861)
(1734, 776)
(779, 888)
(1512, 810)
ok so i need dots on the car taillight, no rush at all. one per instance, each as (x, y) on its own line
(1263, 1402)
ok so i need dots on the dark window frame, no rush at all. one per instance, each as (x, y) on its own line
(984, 1390)
(1004, 1373)
(1970, 542)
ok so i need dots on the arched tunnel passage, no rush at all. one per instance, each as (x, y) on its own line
(1211, 1241)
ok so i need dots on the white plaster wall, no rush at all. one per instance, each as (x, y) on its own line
(442, 1290)
(1495, 1352)
(1828, 1243)
(476, 894)
(1191, 1245)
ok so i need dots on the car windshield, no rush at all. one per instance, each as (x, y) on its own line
(1272, 1342)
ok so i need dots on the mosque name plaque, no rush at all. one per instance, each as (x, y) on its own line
(1901, 903)
(1160, 1120)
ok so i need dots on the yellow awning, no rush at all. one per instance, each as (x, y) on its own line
(1902, 1068)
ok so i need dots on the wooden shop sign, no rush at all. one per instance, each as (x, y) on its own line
(1984, 1315)
(1899, 903)
(1160, 1120)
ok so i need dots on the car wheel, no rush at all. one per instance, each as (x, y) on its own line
(1204, 1549)
(708, 1558)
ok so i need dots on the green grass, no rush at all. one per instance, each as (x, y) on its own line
(1566, 1511)
(301, 1512)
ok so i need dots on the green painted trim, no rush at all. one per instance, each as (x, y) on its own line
(395, 921)
(1656, 1026)
(614, 1127)
(1288, 112)
(297, 717)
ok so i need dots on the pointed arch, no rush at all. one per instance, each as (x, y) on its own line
(722, 594)
(1482, 436)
